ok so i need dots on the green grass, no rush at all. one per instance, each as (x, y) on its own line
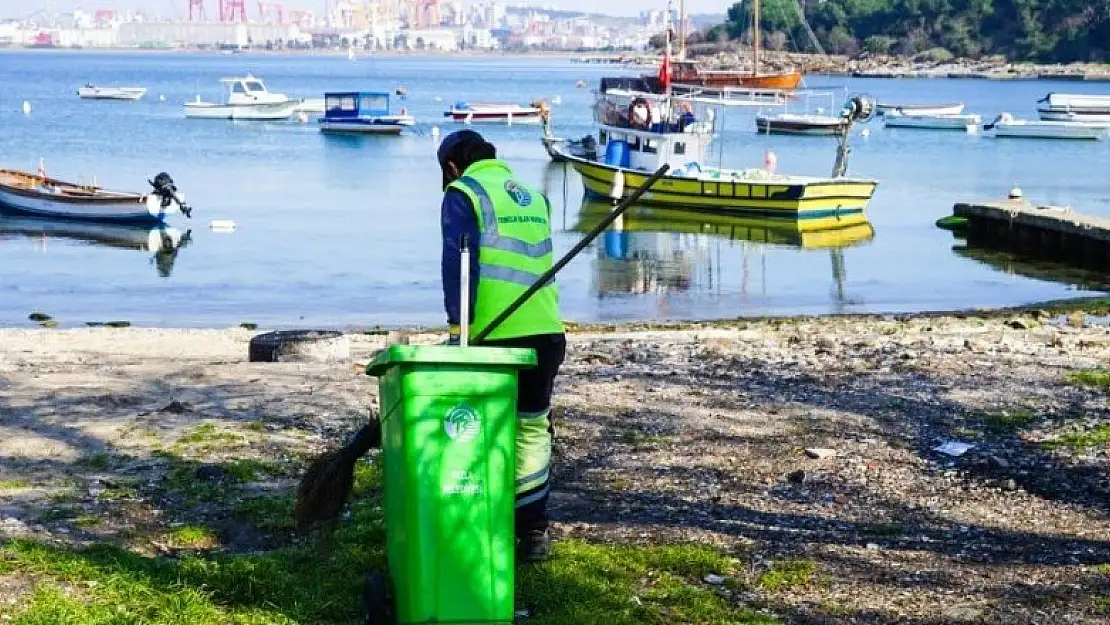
(205, 435)
(14, 483)
(193, 537)
(786, 574)
(1008, 421)
(634, 437)
(99, 460)
(88, 521)
(582, 584)
(1103, 569)
(1097, 378)
(1096, 437)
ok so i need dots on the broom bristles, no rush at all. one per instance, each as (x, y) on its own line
(327, 483)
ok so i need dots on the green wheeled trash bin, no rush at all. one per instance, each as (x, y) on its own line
(448, 418)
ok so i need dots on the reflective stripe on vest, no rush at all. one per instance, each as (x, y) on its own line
(516, 276)
(491, 237)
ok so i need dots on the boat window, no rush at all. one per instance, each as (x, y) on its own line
(340, 103)
(374, 103)
(651, 146)
(603, 137)
(238, 88)
(679, 148)
(254, 85)
(634, 143)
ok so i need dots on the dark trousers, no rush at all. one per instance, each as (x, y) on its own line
(534, 390)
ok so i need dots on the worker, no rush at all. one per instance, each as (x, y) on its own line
(508, 225)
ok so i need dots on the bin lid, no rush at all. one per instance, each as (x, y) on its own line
(451, 354)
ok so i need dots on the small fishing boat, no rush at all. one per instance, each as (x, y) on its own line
(89, 92)
(40, 195)
(557, 148)
(967, 122)
(1074, 107)
(800, 124)
(362, 112)
(247, 99)
(1006, 126)
(466, 113)
(954, 108)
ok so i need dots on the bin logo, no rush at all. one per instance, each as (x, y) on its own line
(461, 423)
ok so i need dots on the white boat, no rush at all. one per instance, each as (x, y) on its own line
(1074, 107)
(89, 92)
(43, 196)
(363, 113)
(247, 99)
(954, 108)
(312, 106)
(466, 113)
(800, 124)
(967, 122)
(1006, 126)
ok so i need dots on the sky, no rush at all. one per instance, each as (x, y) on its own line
(169, 8)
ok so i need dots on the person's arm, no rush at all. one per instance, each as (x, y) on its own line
(457, 219)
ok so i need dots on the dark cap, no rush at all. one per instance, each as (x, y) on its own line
(454, 145)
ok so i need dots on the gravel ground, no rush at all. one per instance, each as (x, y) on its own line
(809, 440)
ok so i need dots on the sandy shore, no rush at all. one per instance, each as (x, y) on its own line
(804, 439)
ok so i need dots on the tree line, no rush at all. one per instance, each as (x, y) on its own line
(1034, 30)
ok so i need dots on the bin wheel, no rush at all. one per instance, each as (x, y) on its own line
(377, 604)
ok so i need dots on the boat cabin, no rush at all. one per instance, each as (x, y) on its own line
(250, 90)
(355, 105)
(643, 132)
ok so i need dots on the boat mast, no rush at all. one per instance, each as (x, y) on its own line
(755, 38)
(682, 29)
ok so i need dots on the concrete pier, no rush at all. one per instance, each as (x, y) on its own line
(1053, 233)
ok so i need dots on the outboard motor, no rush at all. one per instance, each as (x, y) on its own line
(165, 188)
(859, 108)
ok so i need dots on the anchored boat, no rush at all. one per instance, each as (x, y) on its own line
(467, 113)
(800, 124)
(89, 92)
(362, 112)
(965, 122)
(1006, 126)
(247, 99)
(1074, 107)
(41, 195)
(954, 108)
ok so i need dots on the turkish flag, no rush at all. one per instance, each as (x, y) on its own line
(665, 72)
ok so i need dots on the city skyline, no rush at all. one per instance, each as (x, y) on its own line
(179, 8)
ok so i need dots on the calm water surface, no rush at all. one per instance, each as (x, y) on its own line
(341, 231)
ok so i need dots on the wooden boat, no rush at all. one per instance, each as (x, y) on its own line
(964, 122)
(1006, 126)
(247, 99)
(89, 92)
(362, 112)
(41, 195)
(466, 113)
(800, 124)
(921, 109)
(1074, 107)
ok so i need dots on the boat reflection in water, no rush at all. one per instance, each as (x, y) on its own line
(1014, 264)
(164, 242)
(656, 250)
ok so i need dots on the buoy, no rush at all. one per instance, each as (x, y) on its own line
(26, 107)
(221, 225)
(162, 98)
(438, 99)
(1015, 193)
(581, 84)
(866, 132)
(617, 191)
(302, 117)
(435, 131)
(557, 100)
(770, 161)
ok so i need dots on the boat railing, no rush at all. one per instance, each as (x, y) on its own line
(732, 96)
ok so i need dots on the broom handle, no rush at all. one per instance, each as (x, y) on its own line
(617, 211)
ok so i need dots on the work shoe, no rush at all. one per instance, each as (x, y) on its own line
(534, 546)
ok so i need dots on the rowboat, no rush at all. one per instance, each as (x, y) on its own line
(800, 124)
(247, 99)
(1074, 107)
(41, 195)
(362, 112)
(966, 122)
(921, 109)
(89, 92)
(1006, 126)
(466, 113)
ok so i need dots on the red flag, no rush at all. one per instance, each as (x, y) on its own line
(665, 72)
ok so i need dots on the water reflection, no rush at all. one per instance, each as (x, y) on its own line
(164, 242)
(659, 250)
(1016, 265)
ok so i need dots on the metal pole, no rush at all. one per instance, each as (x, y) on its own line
(464, 292)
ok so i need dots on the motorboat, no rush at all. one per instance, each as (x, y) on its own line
(468, 113)
(800, 124)
(953, 108)
(967, 122)
(90, 92)
(1006, 126)
(1074, 107)
(38, 194)
(556, 147)
(247, 99)
(362, 112)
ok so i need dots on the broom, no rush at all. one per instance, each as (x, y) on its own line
(326, 485)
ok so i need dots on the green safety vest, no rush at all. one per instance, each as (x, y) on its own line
(515, 250)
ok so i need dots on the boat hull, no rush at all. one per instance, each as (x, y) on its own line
(1098, 117)
(110, 93)
(933, 122)
(920, 109)
(771, 125)
(1050, 130)
(493, 117)
(104, 207)
(785, 81)
(830, 200)
(240, 112)
(361, 128)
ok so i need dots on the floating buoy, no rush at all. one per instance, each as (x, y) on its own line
(438, 99)
(557, 100)
(26, 107)
(221, 225)
(1015, 193)
(302, 117)
(581, 84)
(770, 161)
(617, 190)
(162, 98)
(866, 132)
(435, 131)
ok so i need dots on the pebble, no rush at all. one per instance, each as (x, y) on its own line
(818, 453)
